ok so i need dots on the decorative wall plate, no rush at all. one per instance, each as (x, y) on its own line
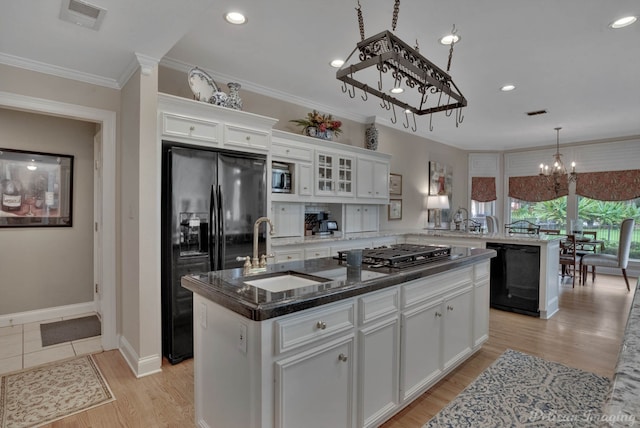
(201, 84)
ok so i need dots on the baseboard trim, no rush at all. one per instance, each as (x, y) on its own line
(45, 314)
(139, 366)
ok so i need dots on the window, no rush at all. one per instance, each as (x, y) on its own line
(605, 217)
(480, 210)
(547, 214)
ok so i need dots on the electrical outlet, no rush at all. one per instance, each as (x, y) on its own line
(242, 338)
(203, 315)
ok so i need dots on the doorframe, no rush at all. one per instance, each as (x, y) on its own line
(107, 120)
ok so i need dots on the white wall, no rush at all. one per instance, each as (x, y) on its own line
(43, 267)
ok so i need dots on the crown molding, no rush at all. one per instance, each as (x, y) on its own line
(145, 62)
(54, 70)
(262, 90)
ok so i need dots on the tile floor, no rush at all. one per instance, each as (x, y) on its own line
(21, 346)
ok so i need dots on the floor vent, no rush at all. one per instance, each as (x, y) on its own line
(81, 13)
(537, 112)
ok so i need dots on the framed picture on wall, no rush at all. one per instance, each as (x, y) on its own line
(37, 189)
(395, 209)
(395, 184)
(441, 183)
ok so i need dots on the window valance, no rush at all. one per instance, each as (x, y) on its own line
(483, 189)
(609, 185)
(536, 188)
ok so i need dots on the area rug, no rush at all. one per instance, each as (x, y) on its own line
(68, 330)
(46, 393)
(520, 390)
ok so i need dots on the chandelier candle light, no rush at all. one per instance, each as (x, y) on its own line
(558, 171)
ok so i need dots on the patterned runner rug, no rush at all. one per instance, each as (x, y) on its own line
(43, 394)
(520, 390)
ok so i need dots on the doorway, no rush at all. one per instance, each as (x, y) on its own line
(105, 217)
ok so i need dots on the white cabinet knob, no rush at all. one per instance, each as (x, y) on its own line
(438, 314)
(321, 325)
(449, 308)
(342, 358)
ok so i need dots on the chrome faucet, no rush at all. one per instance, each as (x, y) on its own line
(256, 261)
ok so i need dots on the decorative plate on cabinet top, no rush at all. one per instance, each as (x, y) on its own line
(201, 84)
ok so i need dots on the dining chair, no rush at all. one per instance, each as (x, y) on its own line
(568, 257)
(611, 260)
(492, 224)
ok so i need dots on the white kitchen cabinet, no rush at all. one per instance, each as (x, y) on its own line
(289, 255)
(314, 388)
(288, 219)
(378, 357)
(481, 304)
(420, 348)
(361, 218)
(457, 332)
(246, 138)
(316, 252)
(193, 129)
(304, 179)
(372, 179)
(334, 175)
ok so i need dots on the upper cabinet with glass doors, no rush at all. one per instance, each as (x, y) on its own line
(334, 174)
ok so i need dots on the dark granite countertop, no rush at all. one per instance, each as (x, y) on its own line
(229, 288)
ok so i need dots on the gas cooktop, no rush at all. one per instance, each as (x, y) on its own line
(400, 255)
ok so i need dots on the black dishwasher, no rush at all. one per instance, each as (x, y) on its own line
(515, 278)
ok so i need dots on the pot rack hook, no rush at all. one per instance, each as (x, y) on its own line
(394, 119)
(414, 128)
(406, 121)
(431, 122)
(365, 90)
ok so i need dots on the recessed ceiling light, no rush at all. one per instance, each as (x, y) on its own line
(337, 63)
(235, 18)
(450, 38)
(623, 22)
(507, 88)
(396, 90)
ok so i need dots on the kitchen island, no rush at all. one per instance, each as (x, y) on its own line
(337, 347)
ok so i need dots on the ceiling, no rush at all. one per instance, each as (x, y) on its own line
(561, 56)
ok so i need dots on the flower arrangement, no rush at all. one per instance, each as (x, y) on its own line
(323, 123)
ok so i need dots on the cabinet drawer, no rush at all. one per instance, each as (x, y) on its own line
(377, 305)
(424, 289)
(288, 255)
(190, 128)
(244, 137)
(316, 253)
(299, 330)
(290, 152)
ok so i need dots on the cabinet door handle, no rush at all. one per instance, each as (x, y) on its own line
(438, 314)
(192, 128)
(449, 307)
(343, 358)
(321, 325)
(248, 138)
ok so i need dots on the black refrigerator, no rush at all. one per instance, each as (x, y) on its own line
(210, 201)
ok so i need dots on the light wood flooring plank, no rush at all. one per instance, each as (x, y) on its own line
(585, 334)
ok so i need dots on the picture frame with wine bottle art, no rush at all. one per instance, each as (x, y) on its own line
(36, 189)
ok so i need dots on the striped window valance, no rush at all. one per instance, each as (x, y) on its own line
(483, 189)
(537, 188)
(609, 185)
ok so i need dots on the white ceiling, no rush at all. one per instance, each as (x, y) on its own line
(561, 55)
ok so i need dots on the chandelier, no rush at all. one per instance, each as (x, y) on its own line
(400, 76)
(557, 175)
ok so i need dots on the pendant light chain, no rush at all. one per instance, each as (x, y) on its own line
(360, 21)
(396, 9)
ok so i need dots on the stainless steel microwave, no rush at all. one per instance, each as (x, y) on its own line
(280, 178)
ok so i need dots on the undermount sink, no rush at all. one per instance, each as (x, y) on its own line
(283, 281)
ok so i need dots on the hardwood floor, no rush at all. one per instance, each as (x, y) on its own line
(585, 334)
